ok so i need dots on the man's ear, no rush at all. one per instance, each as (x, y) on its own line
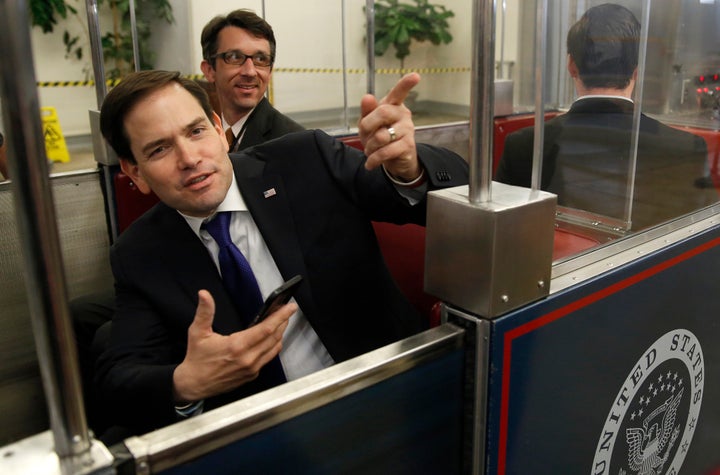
(208, 71)
(132, 170)
(217, 123)
(572, 67)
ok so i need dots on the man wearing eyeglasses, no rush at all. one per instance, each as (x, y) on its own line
(238, 54)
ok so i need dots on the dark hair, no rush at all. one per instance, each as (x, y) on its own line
(604, 44)
(132, 89)
(245, 19)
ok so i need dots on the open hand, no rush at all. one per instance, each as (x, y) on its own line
(216, 363)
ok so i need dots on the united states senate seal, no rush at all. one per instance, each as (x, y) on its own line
(652, 420)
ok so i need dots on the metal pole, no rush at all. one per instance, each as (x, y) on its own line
(370, 35)
(134, 35)
(637, 111)
(96, 50)
(540, 54)
(101, 149)
(346, 119)
(482, 98)
(35, 214)
(501, 74)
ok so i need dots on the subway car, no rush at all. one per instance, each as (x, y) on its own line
(568, 289)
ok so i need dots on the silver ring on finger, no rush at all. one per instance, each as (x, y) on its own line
(393, 136)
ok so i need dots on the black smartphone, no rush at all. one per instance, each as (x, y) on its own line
(277, 298)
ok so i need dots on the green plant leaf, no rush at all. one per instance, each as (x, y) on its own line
(399, 24)
(117, 44)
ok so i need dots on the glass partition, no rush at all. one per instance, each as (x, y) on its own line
(319, 75)
(622, 156)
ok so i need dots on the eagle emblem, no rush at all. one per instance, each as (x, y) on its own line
(651, 423)
(649, 446)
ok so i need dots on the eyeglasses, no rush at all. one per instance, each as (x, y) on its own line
(236, 58)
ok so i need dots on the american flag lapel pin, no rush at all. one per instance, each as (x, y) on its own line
(269, 193)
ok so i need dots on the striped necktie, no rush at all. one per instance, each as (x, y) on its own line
(230, 137)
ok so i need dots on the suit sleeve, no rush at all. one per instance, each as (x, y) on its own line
(443, 167)
(134, 373)
(372, 191)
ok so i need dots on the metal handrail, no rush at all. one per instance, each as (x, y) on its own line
(177, 444)
(35, 214)
(482, 101)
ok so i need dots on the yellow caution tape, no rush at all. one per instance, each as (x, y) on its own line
(114, 82)
(109, 82)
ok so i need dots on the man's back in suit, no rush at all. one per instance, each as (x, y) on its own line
(587, 163)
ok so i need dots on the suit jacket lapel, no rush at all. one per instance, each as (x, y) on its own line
(189, 260)
(268, 202)
(257, 126)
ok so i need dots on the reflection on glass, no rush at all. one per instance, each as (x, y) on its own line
(588, 151)
(319, 74)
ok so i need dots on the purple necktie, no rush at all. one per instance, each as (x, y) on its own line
(242, 286)
(237, 275)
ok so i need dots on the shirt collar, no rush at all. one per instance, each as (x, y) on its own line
(237, 126)
(604, 96)
(233, 202)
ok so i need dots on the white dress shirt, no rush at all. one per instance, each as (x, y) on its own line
(302, 352)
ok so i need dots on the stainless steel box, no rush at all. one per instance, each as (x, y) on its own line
(492, 257)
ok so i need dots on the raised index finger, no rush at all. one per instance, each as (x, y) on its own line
(399, 92)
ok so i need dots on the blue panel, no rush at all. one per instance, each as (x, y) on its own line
(410, 424)
(591, 365)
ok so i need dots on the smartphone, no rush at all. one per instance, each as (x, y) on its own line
(277, 298)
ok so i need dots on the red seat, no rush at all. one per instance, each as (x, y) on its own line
(567, 243)
(403, 247)
(130, 202)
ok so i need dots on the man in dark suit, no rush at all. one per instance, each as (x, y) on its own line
(587, 151)
(240, 83)
(238, 56)
(178, 345)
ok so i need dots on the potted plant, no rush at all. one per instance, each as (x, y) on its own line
(117, 43)
(398, 24)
